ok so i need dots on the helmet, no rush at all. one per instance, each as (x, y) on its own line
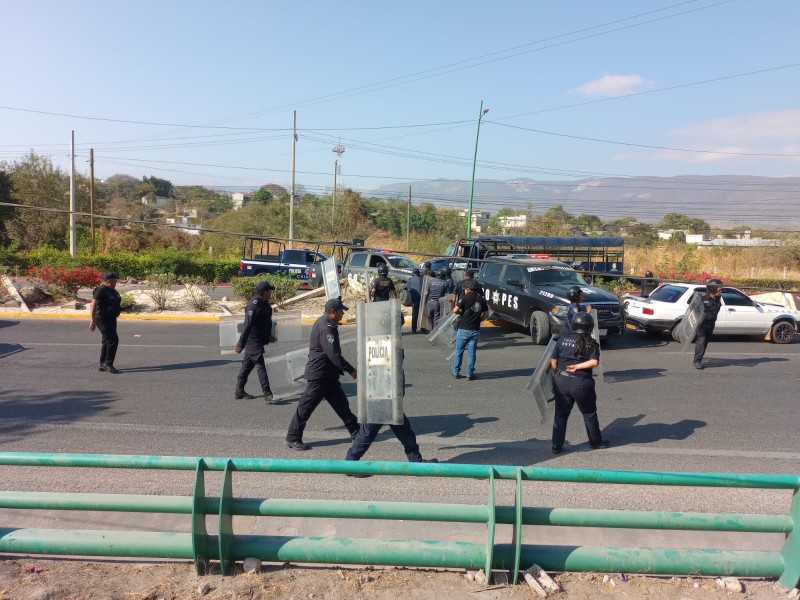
(574, 293)
(427, 265)
(448, 271)
(582, 322)
(383, 270)
(442, 273)
(713, 285)
(648, 273)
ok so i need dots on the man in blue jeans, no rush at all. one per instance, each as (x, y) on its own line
(472, 309)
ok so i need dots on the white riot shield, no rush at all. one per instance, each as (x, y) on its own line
(380, 362)
(444, 336)
(422, 317)
(330, 279)
(687, 328)
(444, 305)
(230, 330)
(596, 336)
(287, 327)
(541, 383)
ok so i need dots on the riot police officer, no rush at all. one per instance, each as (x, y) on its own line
(382, 288)
(414, 287)
(256, 334)
(648, 284)
(427, 270)
(575, 296)
(711, 304)
(103, 312)
(573, 359)
(325, 365)
(451, 286)
(436, 290)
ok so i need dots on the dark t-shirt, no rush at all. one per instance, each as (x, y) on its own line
(459, 288)
(109, 302)
(472, 307)
(382, 289)
(711, 306)
(564, 353)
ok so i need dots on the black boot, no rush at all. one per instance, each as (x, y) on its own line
(268, 398)
(240, 394)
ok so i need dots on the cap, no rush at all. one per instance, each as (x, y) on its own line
(334, 304)
(110, 276)
(264, 286)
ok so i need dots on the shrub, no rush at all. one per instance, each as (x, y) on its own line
(285, 287)
(65, 283)
(127, 302)
(161, 294)
(197, 297)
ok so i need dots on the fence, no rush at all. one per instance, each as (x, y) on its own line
(227, 547)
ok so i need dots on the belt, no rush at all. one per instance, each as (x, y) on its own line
(572, 375)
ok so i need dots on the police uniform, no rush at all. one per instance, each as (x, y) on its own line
(325, 365)
(572, 388)
(711, 308)
(414, 287)
(369, 431)
(382, 289)
(572, 310)
(436, 290)
(107, 306)
(255, 335)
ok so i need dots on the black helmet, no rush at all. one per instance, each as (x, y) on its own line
(713, 285)
(383, 270)
(574, 293)
(648, 273)
(427, 265)
(442, 273)
(582, 322)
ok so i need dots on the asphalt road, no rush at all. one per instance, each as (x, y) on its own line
(175, 397)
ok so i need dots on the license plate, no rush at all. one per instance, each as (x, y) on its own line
(603, 331)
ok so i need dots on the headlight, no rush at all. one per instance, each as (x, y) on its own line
(559, 311)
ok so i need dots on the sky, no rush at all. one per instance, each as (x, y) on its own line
(203, 93)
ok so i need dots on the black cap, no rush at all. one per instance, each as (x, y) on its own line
(334, 304)
(264, 286)
(110, 276)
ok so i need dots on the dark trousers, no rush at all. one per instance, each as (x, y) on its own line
(316, 391)
(701, 341)
(414, 316)
(369, 431)
(568, 392)
(109, 341)
(434, 313)
(252, 360)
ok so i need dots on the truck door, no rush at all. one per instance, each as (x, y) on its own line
(489, 278)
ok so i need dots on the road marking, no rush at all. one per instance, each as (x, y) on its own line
(126, 345)
(713, 354)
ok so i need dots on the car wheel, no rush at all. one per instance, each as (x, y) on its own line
(540, 328)
(783, 332)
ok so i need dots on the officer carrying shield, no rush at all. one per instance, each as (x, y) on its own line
(436, 290)
(414, 287)
(711, 305)
(256, 334)
(575, 296)
(382, 288)
(573, 359)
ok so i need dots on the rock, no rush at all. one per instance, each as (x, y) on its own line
(534, 585)
(794, 593)
(11, 304)
(606, 578)
(224, 299)
(34, 295)
(730, 583)
(204, 589)
(470, 575)
(251, 565)
(480, 577)
(131, 280)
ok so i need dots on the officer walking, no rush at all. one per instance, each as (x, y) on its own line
(473, 309)
(575, 296)
(573, 359)
(325, 365)
(436, 290)
(256, 334)
(103, 312)
(414, 287)
(711, 304)
(369, 431)
(382, 288)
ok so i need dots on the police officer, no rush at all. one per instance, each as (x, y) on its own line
(436, 290)
(575, 296)
(573, 359)
(711, 304)
(382, 288)
(325, 365)
(451, 286)
(256, 334)
(648, 284)
(414, 287)
(103, 312)
(369, 431)
(427, 270)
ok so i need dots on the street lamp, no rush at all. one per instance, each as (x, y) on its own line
(482, 112)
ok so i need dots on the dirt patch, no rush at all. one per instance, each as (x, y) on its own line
(45, 579)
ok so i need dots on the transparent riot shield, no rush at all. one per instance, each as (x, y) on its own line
(596, 336)
(230, 329)
(286, 373)
(368, 279)
(330, 279)
(444, 336)
(422, 317)
(686, 330)
(444, 305)
(287, 327)
(541, 383)
(380, 362)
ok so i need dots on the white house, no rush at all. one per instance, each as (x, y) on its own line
(480, 219)
(154, 201)
(239, 199)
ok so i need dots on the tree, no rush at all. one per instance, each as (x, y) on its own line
(5, 213)
(262, 195)
(162, 187)
(119, 186)
(589, 222)
(681, 221)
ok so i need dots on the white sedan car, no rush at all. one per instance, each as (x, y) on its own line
(740, 314)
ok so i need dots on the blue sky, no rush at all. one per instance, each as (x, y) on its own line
(349, 68)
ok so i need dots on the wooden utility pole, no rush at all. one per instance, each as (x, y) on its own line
(91, 194)
(73, 242)
(291, 193)
(408, 221)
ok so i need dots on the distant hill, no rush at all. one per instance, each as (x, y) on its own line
(722, 200)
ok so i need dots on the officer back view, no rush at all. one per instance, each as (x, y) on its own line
(648, 284)
(382, 288)
(573, 359)
(436, 290)
(711, 305)
(575, 297)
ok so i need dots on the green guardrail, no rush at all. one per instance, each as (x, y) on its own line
(228, 547)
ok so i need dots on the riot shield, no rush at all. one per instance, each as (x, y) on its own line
(422, 317)
(380, 362)
(541, 383)
(287, 327)
(368, 279)
(596, 336)
(444, 336)
(230, 329)
(686, 330)
(330, 279)
(444, 306)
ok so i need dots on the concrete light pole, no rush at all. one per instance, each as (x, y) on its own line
(482, 112)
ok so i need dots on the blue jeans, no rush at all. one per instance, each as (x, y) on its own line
(466, 338)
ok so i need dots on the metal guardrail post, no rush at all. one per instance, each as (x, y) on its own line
(791, 547)
(517, 534)
(226, 520)
(199, 533)
(490, 528)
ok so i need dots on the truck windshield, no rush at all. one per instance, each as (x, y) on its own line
(401, 262)
(543, 276)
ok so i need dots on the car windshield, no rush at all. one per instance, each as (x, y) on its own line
(545, 276)
(401, 262)
(668, 293)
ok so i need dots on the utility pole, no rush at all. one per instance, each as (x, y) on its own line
(408, 220)
(291, 193)
(91, 194)
(333, 197)
(72, 239)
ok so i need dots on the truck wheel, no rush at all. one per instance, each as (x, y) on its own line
(783, 332)
(540, 328)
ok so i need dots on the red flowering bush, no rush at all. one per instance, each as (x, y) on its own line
(65, 283)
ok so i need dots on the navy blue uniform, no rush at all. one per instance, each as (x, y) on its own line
(711, 307)
(573, 309)
(414, 287)
(382, 289)
(369, 431)
(325, 365)
(108, 305)
(255, 335)
(572, 388)
(436, 290)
